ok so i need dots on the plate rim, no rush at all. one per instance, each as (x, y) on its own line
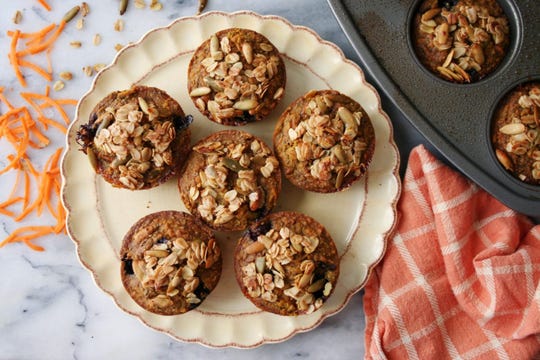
(394, 172)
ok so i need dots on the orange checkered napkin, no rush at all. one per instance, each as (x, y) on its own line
(461, 276)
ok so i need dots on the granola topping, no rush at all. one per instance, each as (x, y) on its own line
(327, 139)
(523, 135)
(267, 272)
(463, 32)
(135, 139)
(230, 181)
(170, 267)
(238, 77)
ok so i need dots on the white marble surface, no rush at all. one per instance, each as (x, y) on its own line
(50, 307)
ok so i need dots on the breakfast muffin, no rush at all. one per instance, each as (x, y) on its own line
(170, 262)
(461, 41)
(236, 76)
(515, 132)
(287, 264)
(230, 179)
(136, 138)
(324, 141)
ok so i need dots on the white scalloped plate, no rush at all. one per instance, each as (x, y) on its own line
(359, 219)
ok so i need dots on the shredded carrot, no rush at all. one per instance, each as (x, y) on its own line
(13, 57)
(43, 45)
(49, 62)
(46, 75)
(37, 42)
(45, 4)
(4, 99)
(25, 127)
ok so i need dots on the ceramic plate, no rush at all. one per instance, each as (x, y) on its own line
(359, 219)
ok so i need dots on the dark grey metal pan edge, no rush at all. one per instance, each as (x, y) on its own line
(526, 205)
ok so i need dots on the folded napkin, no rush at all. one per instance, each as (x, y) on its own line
(461, 275)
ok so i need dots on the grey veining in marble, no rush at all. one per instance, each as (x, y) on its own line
(49, 306)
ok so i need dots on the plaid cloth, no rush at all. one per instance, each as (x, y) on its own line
(461, 276)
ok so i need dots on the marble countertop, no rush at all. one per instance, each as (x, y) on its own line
(50, 306)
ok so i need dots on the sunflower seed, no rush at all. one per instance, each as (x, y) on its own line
(512, 129)
(17, 17)
(119, 25)
(200, 91)
(80, 24)
(58, 85)
(85, 9)
(96, 39)
(247, 51)
(66, 75)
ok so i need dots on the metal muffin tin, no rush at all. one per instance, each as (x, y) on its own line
(455, 118)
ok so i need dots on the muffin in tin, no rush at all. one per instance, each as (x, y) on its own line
(461, 41)
(231, 178)
(235, 77)
(287, 264)
(136, 138)
(515, 133)
(324, 141)
(170, 262)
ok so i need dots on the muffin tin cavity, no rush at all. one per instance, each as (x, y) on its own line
(460, 41)
(515, 133)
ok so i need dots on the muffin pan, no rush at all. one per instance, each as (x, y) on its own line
(455, 118)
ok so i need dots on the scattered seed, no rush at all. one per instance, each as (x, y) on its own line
(156, 5)
(202, 5)
(123, 6)
(17, 17)
(71, 14)
(66, 75)
(119, 25)
(97, 39)
(140, 4)
(58, 85)
(88, 70)
(98, 67)
(85, 9)
(75, 44)
(118, 47)
(80, 24)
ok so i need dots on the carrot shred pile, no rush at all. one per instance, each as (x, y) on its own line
(25, 128)
(37, 42)
(19, 127)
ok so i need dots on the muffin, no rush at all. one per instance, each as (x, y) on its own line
(137, 138)
(461, 41)
(236, 77)
(170, 262)
(230, 179)
(324, 141)
(515, 132)
(287, 264)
